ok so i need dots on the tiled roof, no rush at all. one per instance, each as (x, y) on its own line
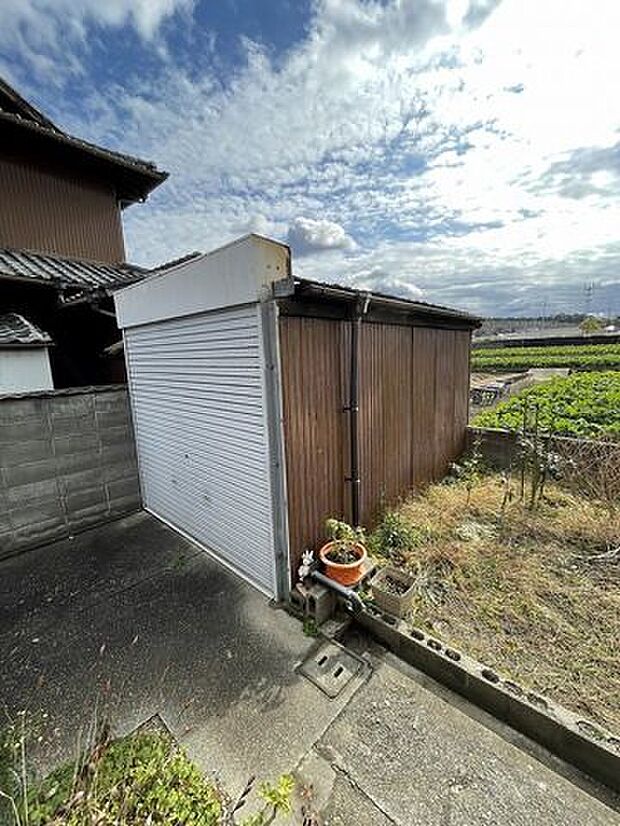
(135, 178)
(15, 331)
(65, 272)
(147, 167)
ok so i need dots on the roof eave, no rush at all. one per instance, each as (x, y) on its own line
(306, 287)
(133, 180)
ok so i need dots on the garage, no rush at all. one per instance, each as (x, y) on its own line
(196, 373)
(264, 403)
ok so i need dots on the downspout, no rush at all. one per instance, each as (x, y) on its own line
(361, 308)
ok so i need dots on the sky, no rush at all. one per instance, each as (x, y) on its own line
(465, 152)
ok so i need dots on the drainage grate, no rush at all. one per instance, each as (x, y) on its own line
(330, 667)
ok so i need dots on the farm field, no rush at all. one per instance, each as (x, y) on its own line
(582, 404)
(533, 593)
(586, 356)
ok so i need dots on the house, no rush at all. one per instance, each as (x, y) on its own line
(61, 238)
(265, 403)
(24, 355)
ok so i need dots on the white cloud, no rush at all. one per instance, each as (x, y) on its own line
(469, 148)
(50, 34)
(307, 235)
(380, 280)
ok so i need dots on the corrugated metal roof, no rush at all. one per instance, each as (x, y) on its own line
(16, 331)
(65, 272)
(326, 290)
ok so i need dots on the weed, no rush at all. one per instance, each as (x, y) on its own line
(533, 593)
(310, 628)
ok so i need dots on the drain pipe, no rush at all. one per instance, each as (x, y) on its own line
(352, 601)
(360, 310)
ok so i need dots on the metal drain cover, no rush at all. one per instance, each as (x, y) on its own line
(330, 667)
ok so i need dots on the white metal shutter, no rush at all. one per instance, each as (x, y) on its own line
(197, 391)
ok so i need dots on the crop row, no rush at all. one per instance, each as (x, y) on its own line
(591, 356)
(583, 404)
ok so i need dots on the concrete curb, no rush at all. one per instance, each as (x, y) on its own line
(567, 735)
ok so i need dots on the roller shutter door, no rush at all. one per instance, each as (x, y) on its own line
(197, 390)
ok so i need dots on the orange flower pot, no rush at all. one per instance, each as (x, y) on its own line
(349, 573)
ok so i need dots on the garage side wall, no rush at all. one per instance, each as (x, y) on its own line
(413, 397)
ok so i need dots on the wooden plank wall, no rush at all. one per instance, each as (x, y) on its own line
(314, 385)
(414, 390)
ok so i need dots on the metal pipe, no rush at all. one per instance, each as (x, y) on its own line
(353, 603)
(360, 310)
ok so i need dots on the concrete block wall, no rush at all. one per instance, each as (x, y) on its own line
(67, 462)
(591, 465)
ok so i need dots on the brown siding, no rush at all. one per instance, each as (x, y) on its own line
(313, 400)
(412, 419)
(385, 432)
(58, 211)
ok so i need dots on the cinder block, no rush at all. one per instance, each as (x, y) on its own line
(94, 498)
(113, 418)
(5, 521)
(18, 453)
(26, 430)
(29, 473)
(82, 443)
(7, 544)
(73, 406)
(320, 603)
(39, 534)
(80, 480)
(76, 462)
(74, 425)
(87, 517)
(126, 504)
(122, 488)
(119, 470)
(35, 516)
(121, 435)
(18, 410)
(113, 454)
(22, 495)
(112, 401)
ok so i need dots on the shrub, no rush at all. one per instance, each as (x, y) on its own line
(394, 536)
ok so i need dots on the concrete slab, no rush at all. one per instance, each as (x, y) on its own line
(418, 759)
(130, 620)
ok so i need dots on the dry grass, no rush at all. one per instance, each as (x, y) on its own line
(534, 594)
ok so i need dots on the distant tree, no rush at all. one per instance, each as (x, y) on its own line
(590, 325)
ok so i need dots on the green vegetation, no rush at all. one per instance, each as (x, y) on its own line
(532, 593)
(588, 356)
(583, 404)
(142, 778)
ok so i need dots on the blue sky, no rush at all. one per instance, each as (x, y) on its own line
(462, 151)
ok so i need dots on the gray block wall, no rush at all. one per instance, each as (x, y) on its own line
(67, 462)
(591, 466)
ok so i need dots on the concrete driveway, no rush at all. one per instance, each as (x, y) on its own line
(132, 620)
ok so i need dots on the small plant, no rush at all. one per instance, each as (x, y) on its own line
(139, 779)
(470, 470)
(278, 800)
(345, 541)
(394, 536)
(310, 628)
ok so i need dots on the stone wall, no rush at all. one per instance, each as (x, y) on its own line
(67, 462)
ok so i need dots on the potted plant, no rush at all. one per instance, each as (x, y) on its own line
(393, 590)
(344, 554)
